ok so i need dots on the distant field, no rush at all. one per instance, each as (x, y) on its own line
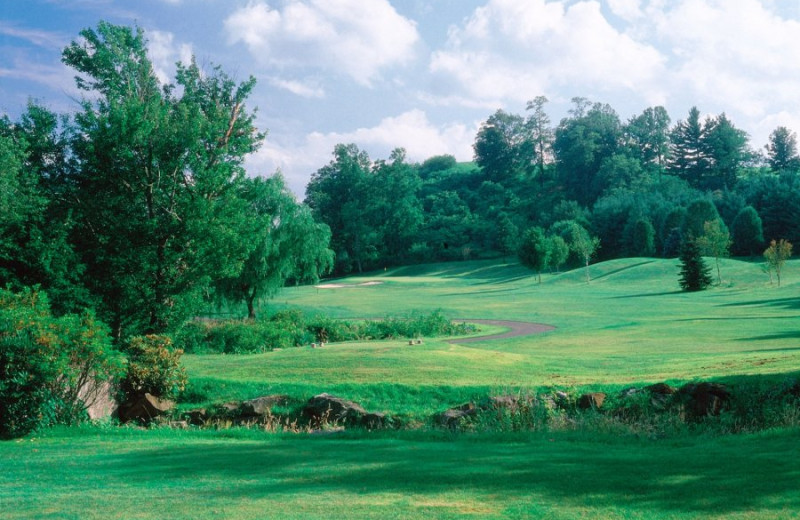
(630, 325)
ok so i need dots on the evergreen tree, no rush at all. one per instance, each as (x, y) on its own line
(695, 274)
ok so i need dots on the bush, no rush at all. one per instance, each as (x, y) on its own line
(291, 328)
(154, 368)
(48, 365)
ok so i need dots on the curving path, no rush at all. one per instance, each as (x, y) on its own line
(518, 329)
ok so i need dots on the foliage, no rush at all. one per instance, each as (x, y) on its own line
(715, 241)
(643, 238)
(694, 274)
(287, 329)
(154, 367)
(748, 234)
(50, 368)
(776, 255)
(583, 244)
(782, 150)
(535, 250)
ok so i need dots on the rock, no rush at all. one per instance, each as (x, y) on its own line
(374, 420)
(704, 399)
(630, 392)
(324, 408)
(98, 398)
(144, 409)
(453, 416)
(510, 402)
(660, 395)
(261, 406)
(196, 417)
(660, 388)
(593, 400)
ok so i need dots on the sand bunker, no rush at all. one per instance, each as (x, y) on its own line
(347, 286)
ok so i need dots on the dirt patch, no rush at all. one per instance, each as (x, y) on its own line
(346, 285)
(518, 329)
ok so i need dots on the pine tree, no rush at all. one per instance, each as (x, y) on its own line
(695, 274)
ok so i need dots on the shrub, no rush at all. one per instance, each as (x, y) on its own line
(48, 365)
(154, 367)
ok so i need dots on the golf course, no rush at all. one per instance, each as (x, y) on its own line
(629, 327)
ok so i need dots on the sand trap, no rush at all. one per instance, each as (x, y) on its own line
(347, 286)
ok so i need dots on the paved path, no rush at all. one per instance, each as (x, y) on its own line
(518, 329)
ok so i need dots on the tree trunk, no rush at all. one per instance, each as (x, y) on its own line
(588, 279)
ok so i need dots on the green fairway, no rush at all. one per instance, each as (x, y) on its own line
(629, 325)
(202, 475)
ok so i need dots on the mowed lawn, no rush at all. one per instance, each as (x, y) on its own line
(630, 325)
(130, 474)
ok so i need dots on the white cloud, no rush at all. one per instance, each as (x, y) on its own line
(516, 50)
(358, 37)
(411, 130)
(40, 38)
(164, 52)
(628, 10)
(299, 88)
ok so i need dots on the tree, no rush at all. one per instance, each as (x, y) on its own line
(782, 150)
(776, 255)
(504, 147)
(647, 137)
(689, 156)
(582, 142)
(337, 194)
(559, 252)
(748, 235)
(727, 148)
(538, 123)
(698, 213)
(694, 274)
(285, 242)
(715, 241)
(157, 169)
(583, 244)
(643, 238)
(534, 251)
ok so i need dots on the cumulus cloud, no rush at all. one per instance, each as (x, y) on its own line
(516, 50)
(411, 130)
(357, 37)
(299, 88)
(165, 52)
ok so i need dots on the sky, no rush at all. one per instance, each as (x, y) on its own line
(424, 74)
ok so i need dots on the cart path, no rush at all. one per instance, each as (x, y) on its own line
(518, 329)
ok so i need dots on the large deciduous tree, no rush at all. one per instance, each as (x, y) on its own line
(504, 148)
(534, 251)
(155, 187)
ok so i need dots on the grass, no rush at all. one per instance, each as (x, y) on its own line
(98, 474)
(629, 326)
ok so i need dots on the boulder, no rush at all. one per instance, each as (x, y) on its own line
(196, 417)
(660, 395)
(262, 406)
(704, 399)
(507, 402)
(453, 416)
(325, 408)
(144, 409)
(593, 400)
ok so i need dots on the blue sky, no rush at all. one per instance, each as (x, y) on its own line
(423, 74)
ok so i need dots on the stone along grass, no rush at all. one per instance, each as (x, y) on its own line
(124, 473)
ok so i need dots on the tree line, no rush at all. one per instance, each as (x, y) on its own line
(639, 187)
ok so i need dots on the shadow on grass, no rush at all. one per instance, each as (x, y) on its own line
(795, 334)
(645, 295)
(689, 475)
(784, 303)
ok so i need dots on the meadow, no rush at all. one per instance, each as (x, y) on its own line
(630, 326)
